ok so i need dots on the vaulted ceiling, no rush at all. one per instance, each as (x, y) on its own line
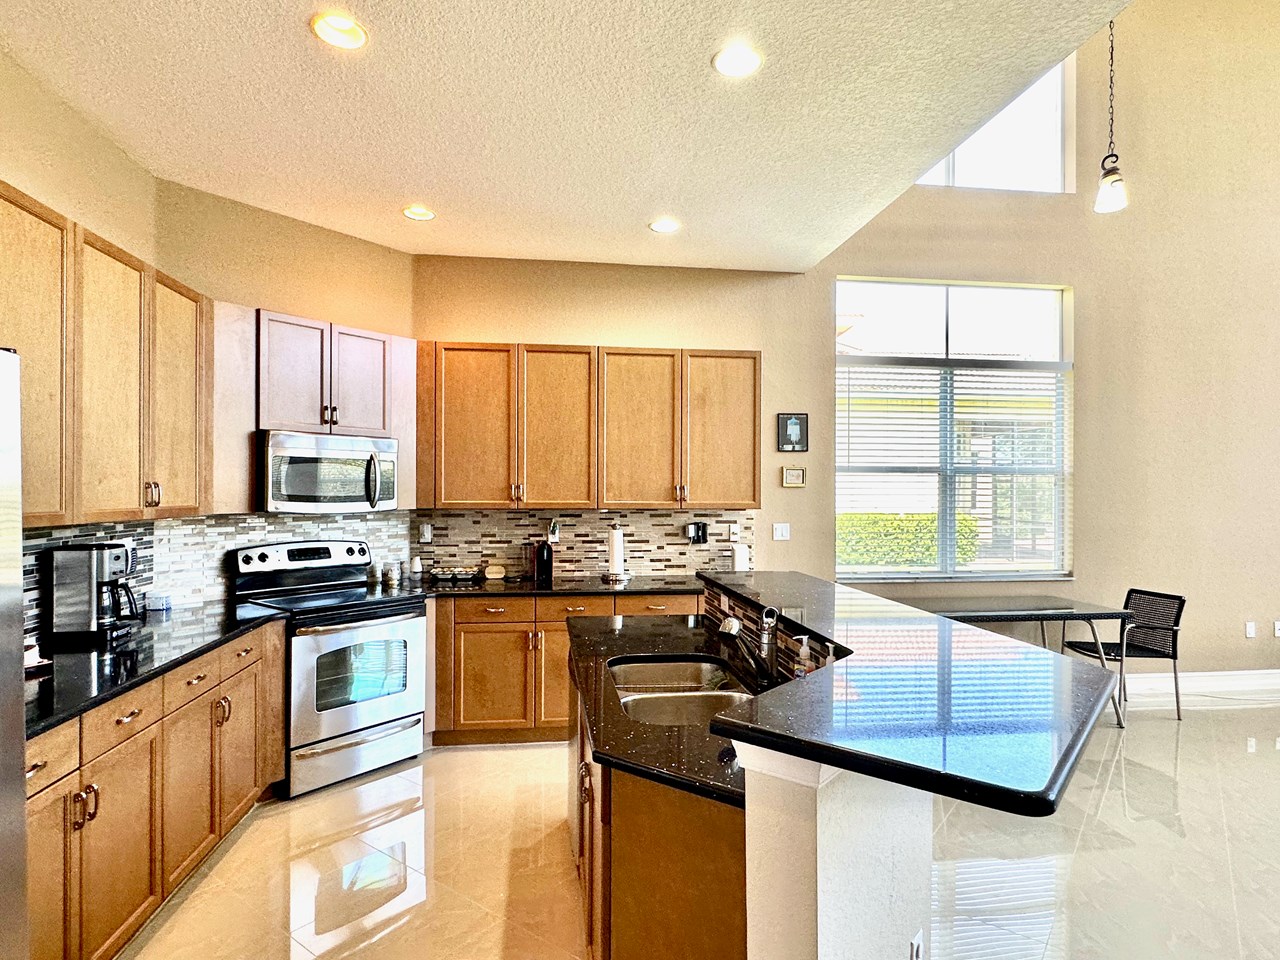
(552, 129)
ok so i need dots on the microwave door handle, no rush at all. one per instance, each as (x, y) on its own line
(371, 481)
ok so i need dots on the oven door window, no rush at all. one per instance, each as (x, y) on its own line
(298, 478)
(360, 672)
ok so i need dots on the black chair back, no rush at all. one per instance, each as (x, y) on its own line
(1155, 620)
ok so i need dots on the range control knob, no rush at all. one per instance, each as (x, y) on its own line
(247, 559)
(262, 558)
(351, 551)
(362, 551)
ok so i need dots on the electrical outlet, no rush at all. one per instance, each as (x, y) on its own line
(917, 946)
(1250, 629)
(1276, 623)
(1250, 745)
(724, 605)
(424, 533)
(782, 531)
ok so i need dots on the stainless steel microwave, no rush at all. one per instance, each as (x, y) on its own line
(322, 473)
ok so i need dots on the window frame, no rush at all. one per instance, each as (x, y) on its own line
(946, 366)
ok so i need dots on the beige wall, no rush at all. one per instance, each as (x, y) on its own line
(222, 248)
(1177, 324)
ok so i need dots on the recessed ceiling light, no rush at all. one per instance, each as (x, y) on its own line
(665, 225)
(736, 60)
(416, 211)
(339, 30)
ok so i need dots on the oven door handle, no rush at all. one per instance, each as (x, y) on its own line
(380, 735)
(362, 625)
(372, 481)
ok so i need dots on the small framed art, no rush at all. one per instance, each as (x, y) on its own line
(793, 476)
(793, 433)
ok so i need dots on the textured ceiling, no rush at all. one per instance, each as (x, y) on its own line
(552, 129)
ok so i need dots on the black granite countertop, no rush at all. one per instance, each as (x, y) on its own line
(525, 588)
(922, 700)
(690, 758)
(81, 680)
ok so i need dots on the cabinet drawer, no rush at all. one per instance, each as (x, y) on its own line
(240, 653)
(555, 609)
(493, 609)
(656, 605)
(113, 723)
(183, 684)
(52, 755)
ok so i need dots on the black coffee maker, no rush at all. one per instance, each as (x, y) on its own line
(87, 601)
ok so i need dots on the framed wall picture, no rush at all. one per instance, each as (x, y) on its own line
(793, 476)
(793, 433)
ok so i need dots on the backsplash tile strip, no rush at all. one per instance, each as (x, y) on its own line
(186, 559)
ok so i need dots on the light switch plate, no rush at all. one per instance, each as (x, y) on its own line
(1250, 627)
(782, 531)
(735, 532)
(424, 533)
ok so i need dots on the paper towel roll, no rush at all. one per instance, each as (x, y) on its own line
(615, 549)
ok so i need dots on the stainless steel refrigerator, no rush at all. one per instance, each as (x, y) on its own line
(13, 827)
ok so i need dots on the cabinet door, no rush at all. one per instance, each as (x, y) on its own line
(272, 721)
(493, 676)
(190, 787)
(110, 407)
(120, 872)
(475, 425)
(557, 453)
(293, 373)
(35, 301)
(360, 388)
(53, 865)
(553, 675)
(639, 427)
(599, 931)
(721, 429)
(238, 746)
(179, 384)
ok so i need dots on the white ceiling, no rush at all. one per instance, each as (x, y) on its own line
(552, 129)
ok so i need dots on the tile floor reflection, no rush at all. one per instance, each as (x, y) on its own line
(1165, 847)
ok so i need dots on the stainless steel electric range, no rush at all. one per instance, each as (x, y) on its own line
(360, 683)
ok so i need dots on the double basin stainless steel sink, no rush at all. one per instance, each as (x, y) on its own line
(675, 692)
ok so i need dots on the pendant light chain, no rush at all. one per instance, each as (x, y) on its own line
(1111, 90)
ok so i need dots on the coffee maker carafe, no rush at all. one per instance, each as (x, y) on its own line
(87, 598)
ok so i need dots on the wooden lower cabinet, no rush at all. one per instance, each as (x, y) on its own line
(238, 746)
(552, 675)
(494, 676)
(120, 864)
(192, 826)
(271, 719)
(53, 870)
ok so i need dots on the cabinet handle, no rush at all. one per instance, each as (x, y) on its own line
(333, 416)
(92, 791)
(520, 491)
(159, 493)
(513, 492)
(77, 815)
(228, 717)
(495, 609)
(36, 768)
(244, 653)
(129, 717)
(324, 414)
(575, 609)
(220, 715)
(197, 679)
(656, 606)
(147, 499)
(584, 783)
(539, 638)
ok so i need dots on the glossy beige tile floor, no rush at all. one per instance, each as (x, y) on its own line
(1166, 846)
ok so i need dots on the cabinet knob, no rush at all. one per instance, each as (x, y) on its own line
(129, 717)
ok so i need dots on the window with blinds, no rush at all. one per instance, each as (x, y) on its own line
(953, 431)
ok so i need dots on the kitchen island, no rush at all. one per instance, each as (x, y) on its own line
(836, 771)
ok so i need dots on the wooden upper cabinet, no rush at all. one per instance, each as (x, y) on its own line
(721, 429)
(639, 427)
(475, 432)
(111, 362)
(426, 424)
(180, 389)
(557, 424)
(360, 383)
(293, 373)
(36, 312)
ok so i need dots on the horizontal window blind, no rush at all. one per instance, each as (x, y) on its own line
(951, 470)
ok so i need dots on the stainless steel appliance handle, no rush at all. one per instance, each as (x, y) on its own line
(371, 480)
(363, 624)
(380, 735)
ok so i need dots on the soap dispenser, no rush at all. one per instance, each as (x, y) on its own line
(804, 659)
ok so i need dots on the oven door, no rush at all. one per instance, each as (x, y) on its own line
(319, 473)
(350, 676)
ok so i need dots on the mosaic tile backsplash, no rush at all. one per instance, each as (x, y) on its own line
(185, 559)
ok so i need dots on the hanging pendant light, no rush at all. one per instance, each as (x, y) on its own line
(1113, 195)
